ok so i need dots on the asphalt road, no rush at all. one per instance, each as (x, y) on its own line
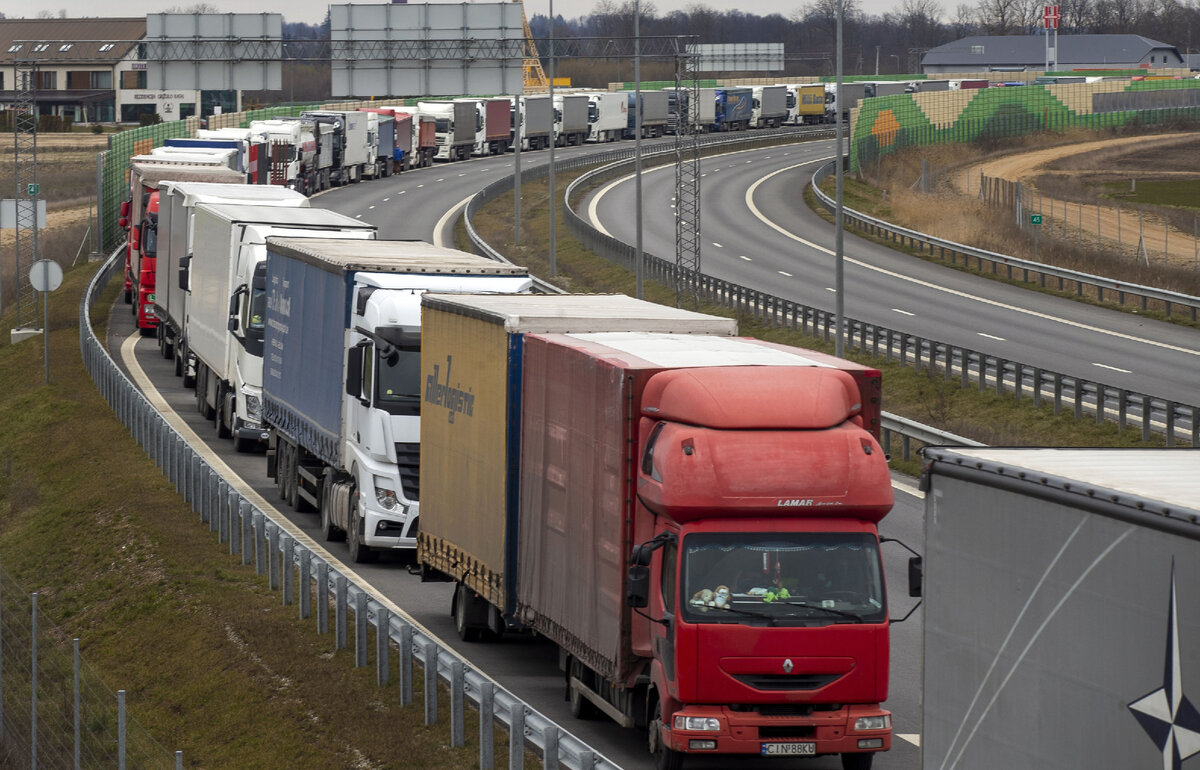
(758, 232)
(528, 666)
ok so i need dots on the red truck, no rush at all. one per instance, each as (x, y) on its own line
(497, 123)
(691, 518)
(422, 136)
(139, 218)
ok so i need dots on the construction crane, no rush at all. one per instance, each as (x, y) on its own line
(534, 78)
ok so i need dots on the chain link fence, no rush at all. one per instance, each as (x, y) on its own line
(55, 710)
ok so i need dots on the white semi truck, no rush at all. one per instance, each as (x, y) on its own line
(226, 311)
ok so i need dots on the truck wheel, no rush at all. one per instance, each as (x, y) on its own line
(328, 530)
(857, 761)
(581, 707)
(281, 468)
(465, 632)
(664, 758)
(222, 402)
(359, 553)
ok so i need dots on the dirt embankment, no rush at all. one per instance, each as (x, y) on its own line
(1150, 236)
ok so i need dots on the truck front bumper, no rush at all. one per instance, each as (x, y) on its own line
(251, 433)
(749, 732)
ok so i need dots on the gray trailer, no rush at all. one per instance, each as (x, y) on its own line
(888, 87)
(1062, 608)
(571, 119)
(654, 114)
(770, 106)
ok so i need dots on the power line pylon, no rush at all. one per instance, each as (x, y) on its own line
(535, 80)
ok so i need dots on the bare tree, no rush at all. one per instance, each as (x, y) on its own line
(920, 19)
(998, 17)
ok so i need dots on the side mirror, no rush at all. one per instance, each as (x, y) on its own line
(637, 587)
(124, 209)
(233, 324)
(916, 575)
(123, 223)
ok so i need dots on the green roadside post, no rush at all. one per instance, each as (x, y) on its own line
(1035, 220)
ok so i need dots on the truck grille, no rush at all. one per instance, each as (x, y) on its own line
(408, 456)
(787, 681)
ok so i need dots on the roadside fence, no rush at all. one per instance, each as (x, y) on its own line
(309, 579)
(54, 709)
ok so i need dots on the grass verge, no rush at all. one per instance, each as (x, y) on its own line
(213, 665)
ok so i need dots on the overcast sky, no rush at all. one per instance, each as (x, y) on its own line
(313, 11)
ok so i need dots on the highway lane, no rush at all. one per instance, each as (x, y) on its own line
(526, 666)
(782, 247)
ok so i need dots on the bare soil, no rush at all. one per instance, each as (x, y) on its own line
(1061, 184)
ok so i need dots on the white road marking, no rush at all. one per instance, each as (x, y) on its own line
(831, 289)
(420, 186)
(237, 482)
(789, 275)
(902, 312)
(443, 180)
(401, 192)
(990, 336)
(743, 256)
(1114, 368)
(385, 200)
(370, 207)
(913, 738)
(447, 218)
(358, 216)
(719, 246)
(934, 287)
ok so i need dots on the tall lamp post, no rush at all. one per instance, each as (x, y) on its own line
(839, 283)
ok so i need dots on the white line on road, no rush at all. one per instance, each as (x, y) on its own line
(385, 200)
(370, 207)
(743, 256)
(447, 218)
(789, 275)
(241, 485)
(719, 246)
(913, 738)
(990, 336)
(934, 287)
(1114, 368)
(902, 312)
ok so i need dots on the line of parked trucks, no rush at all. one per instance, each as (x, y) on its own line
(691, 516)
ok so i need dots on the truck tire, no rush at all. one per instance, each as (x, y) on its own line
(465, 632)
(330, 533)
(359, 553)
(222, 426)
(581, 707)
(664, 758)
(857, 761)
(281, 468)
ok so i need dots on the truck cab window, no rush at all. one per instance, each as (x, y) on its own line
(670, 565)
(797, 578)
(398, 375)
(648, 458)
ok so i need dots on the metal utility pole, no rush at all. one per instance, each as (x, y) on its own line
(553, 141)
(687, 173)
(25, 174)
(839, 283)
(638, 257)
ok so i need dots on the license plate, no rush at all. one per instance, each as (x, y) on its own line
(789, 749)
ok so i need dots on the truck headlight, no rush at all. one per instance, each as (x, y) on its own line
(873, 723)
(253, 407)
(696, 723)
(385, 496)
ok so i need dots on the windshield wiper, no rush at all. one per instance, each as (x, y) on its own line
(748, 613)
(830, 610)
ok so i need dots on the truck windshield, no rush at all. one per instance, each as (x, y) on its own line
(442, 125)
(398, 374)
(788, 579)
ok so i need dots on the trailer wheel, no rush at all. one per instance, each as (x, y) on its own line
(281, 468)
(581, 707)
(465, 632)
(359, 553)
(664, 758)
(857, 761)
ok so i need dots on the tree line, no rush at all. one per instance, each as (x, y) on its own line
(887, 43)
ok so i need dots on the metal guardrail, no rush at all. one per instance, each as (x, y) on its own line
(952, 251)
(1176, 421)
(308, 578)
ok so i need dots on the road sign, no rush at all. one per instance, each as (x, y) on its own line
(34, 189)
(1035, 219)
(1050, 16)
(45, 275)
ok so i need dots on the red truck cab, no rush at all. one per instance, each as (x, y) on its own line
(143, 250)
(765, 623)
